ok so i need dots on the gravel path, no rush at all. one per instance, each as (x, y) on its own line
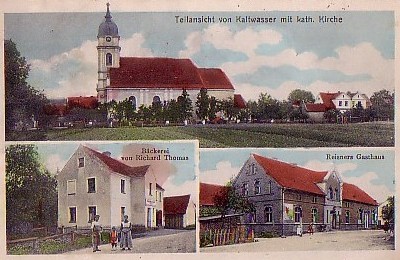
(336, 241)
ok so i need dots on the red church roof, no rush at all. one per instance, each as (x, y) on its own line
(353, 193)
(238, 101)
(135, 72)
(292, 176)
(176, 204)
(208, 192)
(118, 166)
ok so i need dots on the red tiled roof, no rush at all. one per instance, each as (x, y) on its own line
(238, 101)
(135, 72)
(55, 109)
(354, 193)
(118, 166)
(176, 204)
(292, 176)
(82, 102)
(315, 107)
(208, 192)
(214, 79)
(327, 99)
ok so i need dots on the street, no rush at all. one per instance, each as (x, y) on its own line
(332, 241)
(162, 241)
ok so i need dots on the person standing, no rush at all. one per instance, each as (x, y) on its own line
(113, 238)
(96, 229)
(126, 234)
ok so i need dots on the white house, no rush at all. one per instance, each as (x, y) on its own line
(93, 183)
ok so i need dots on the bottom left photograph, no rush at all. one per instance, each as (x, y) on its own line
(101, 198)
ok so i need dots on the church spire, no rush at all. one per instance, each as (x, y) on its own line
(108, 14)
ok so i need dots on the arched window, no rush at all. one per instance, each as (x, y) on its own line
(245, 189)
(253, 169)
(109, 59)
(314, 215)
(257, 187)
(268, 187)
(297, 214)
(156, 99)
(268, 214)
(337, 194)
(330, 193)
(132, 100)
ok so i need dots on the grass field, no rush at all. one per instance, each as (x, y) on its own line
(380, 134)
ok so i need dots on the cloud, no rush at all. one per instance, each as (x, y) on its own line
(74, 73)
(223, 173)
(188, 187)
(365, 182)
(326, 166)
(223, 38)
(54, 162)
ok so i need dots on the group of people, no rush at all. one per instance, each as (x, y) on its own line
(123, 236)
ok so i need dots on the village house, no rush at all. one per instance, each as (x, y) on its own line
(286, 196)
(145, 81)
(93, 183)
(179, 211)
(340, 101)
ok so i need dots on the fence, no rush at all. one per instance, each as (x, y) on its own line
(226, 236)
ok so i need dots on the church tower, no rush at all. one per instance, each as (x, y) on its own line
(108, 52)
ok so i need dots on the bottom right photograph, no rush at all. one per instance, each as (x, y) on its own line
(262, 200)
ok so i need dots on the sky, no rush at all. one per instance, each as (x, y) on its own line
(273, 58)
(176, 177)
(376, 177)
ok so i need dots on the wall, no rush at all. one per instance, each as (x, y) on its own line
(119, 199)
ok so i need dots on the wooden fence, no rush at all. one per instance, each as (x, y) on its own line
(226, 236)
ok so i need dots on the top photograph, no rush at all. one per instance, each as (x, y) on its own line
(228, 79)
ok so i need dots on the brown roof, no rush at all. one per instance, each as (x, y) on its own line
(176, 204)
(118, 166)
(82, 102)
(208, 193)
(292, 176)
(315, 107)
(238, 101)
(157, 72)
(353, 193)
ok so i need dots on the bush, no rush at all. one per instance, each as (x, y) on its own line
(20, 250)
(53, 247)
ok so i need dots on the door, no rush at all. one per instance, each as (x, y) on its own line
(149, 217)
(159, 218)
(366, 220)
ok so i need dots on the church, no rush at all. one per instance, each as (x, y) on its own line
(155, 79)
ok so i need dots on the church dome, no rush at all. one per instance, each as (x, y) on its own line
(108, 27)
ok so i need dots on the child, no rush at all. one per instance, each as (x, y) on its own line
(113, 239)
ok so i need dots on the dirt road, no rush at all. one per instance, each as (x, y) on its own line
(333, 241)
(173, 241)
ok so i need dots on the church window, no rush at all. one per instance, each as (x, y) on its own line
(132, 100)
(156, 99)
(108, 59)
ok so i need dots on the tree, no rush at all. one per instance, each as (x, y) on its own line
(202, 104)
(31, 191)
(230, 200)
(388, 210)
(23, 103)
(301, 95)
(383, 104)
(185, 106)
